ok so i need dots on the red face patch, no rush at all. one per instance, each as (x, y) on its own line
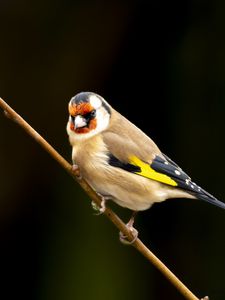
(72, 126)
(82, 109)
(92, 125)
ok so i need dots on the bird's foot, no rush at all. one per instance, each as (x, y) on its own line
(123, 238)
(100, 210)
(76, 171)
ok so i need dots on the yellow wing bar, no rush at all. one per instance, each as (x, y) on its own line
(148, 172)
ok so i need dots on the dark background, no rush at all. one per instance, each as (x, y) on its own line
(162, 65)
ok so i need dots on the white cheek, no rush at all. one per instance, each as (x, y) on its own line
(102, 120)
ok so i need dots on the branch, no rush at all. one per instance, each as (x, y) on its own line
(10, 113)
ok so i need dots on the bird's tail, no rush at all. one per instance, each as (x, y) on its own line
(205, 196)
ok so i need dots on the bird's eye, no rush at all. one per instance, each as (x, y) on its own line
(93, 113)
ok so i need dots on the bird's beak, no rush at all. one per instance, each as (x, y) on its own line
(79, 122)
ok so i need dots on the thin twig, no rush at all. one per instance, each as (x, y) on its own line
(92, 194)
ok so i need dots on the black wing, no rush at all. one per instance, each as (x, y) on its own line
(168, 167)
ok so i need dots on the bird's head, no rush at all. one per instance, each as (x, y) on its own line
(89, 114)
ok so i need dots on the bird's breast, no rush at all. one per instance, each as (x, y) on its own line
(91, 156)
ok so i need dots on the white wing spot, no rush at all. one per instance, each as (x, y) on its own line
(177, 172)
(192, 186)
(187, 181)
(166, 162)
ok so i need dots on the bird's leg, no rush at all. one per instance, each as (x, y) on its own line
(130, 227)
(76, 171)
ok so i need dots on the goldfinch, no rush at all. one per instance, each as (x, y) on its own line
(121, 162)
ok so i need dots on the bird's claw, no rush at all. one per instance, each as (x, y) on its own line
(76, 171)
(95, 206)
(100, 210)
(123, 238)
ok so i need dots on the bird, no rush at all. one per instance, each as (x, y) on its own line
(120, 162)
